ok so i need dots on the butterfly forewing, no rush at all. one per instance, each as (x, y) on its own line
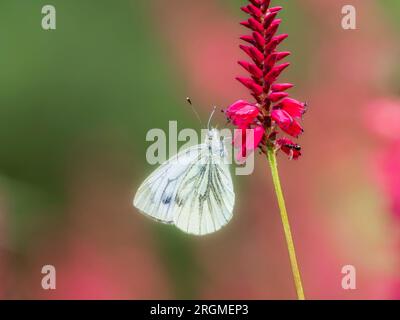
(209, 198)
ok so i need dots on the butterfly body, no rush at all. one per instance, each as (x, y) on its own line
(193, 190)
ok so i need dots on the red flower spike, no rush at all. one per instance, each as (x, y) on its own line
(258, 38)
(273, 112)
(273, 28)
(295, 108)
(242, 113)
(275, 41)
(252, 69)
(254, 11)
(247, 141)
(278, 39)
(282, 55)
(257, 3)
(281, 87)
(246, 24)
(246, 9)
(248, 112)
(276, 96)
(255, 25)
(275, 9)
(281, 67)
(258, 135)
(270, 62)
(269, 17)
(276, 22)
(266, 3)
(251, 84)
(281, 117)
(253, 53)
(275, 73)
(235, 107)
(256, 97)
(248, 39)
(286, 122)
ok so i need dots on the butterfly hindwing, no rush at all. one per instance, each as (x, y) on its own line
(156, 196)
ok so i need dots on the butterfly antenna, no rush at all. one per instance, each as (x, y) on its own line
(189, 101)
(209, 120)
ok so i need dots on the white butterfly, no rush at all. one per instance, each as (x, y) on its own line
(193, 190)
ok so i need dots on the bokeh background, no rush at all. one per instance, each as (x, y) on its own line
(76, 104)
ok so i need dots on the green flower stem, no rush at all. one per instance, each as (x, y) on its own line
(285, 222)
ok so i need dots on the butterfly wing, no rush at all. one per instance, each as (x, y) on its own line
(195, 194)
(156, 196)
(206, 197)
